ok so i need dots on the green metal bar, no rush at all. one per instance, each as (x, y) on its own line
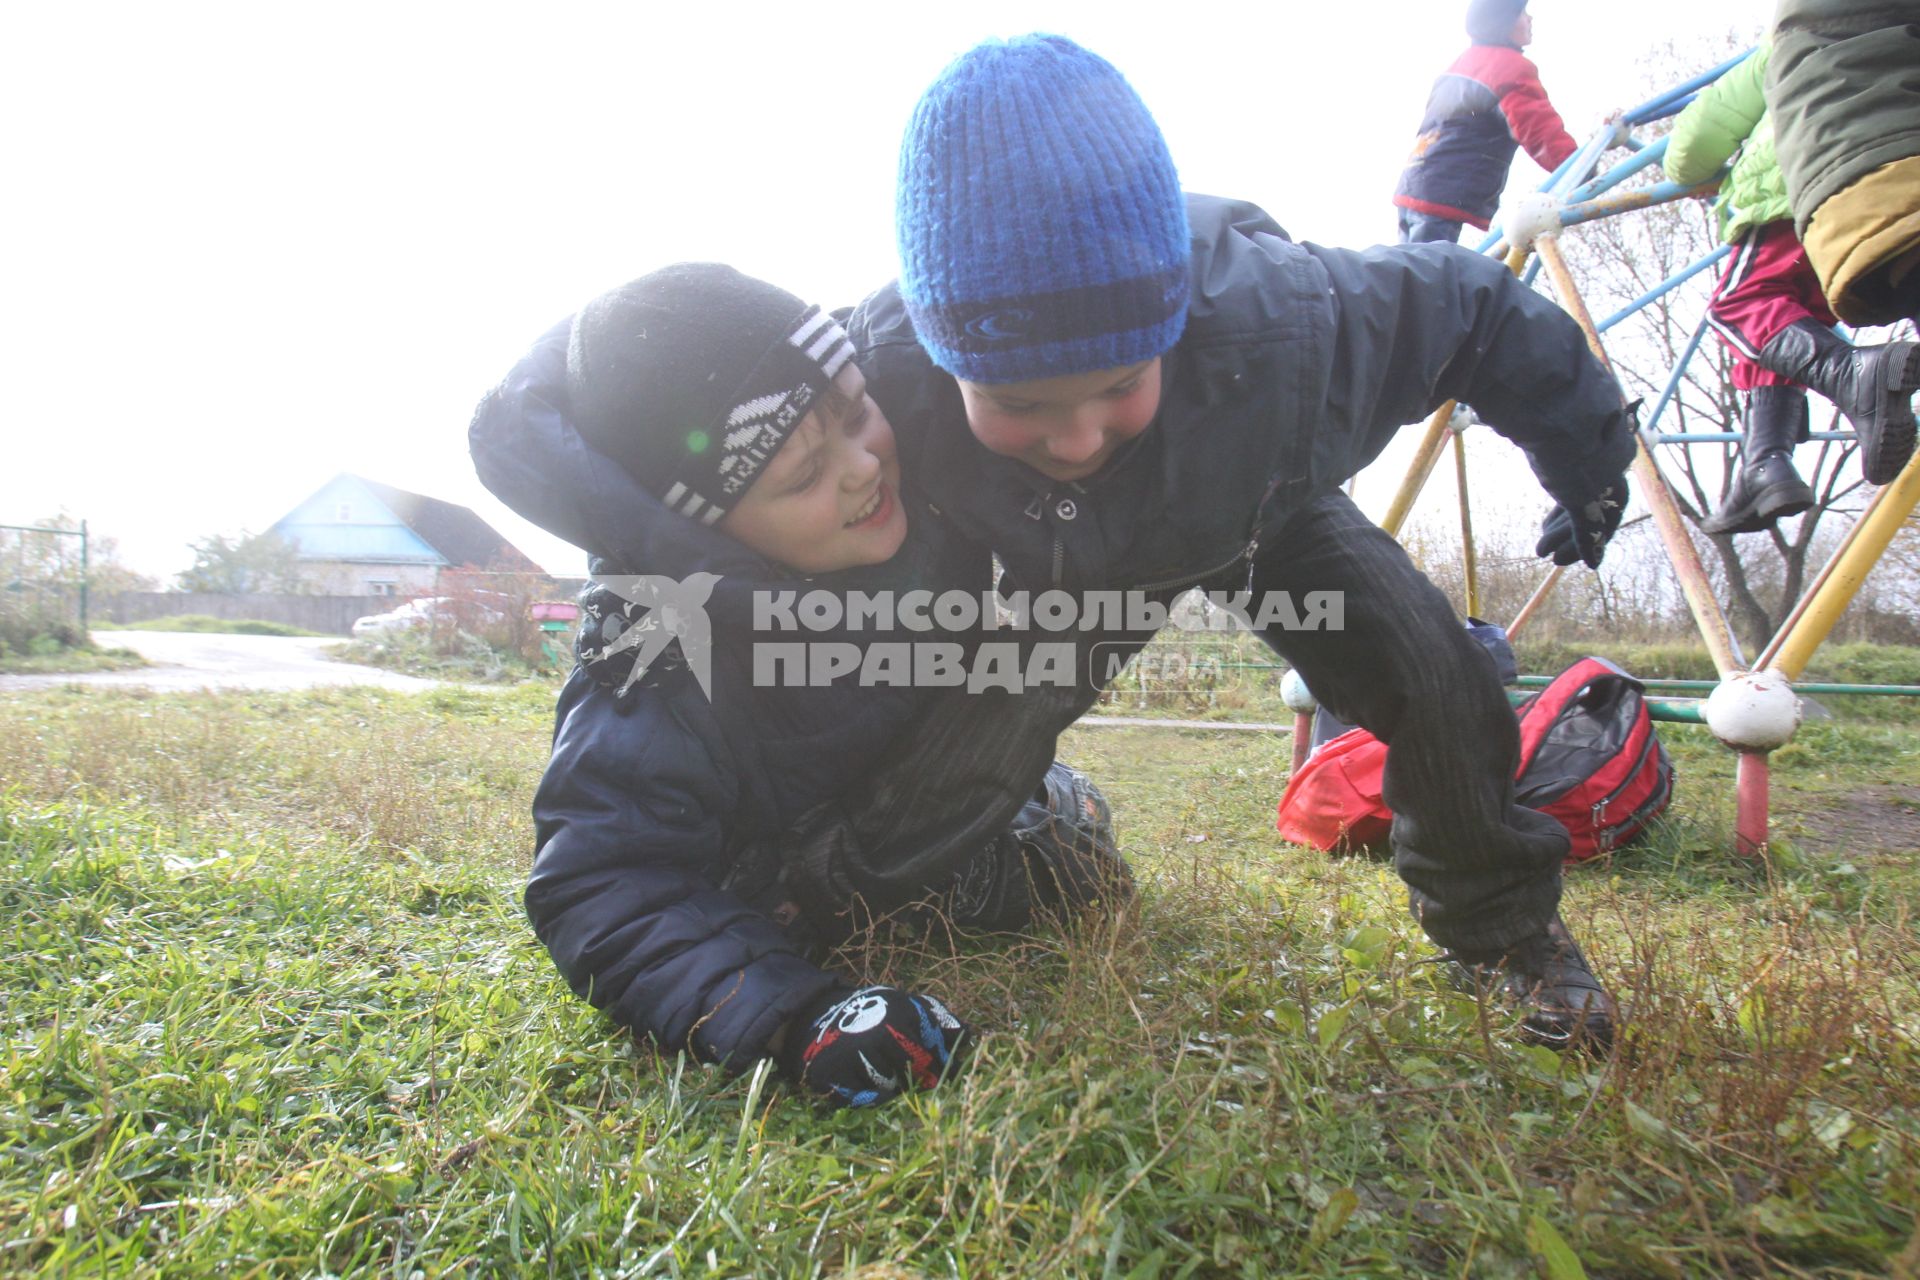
(1674, 710)
(85, 574)
(1708, 686)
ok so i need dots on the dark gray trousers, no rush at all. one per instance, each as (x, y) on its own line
(1481, 871)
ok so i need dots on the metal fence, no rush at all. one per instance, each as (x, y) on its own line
(43, 583)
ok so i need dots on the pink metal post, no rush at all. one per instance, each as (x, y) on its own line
(1750, 820)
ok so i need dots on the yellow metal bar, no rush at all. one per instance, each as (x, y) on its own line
(1534, 601)
(1424, 460)
(1435, 439)
(1771, 653)
(1653, 486)
(1864, 544)
(1469, 561)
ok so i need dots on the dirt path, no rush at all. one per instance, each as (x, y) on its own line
(189, 661)
(1880, 819)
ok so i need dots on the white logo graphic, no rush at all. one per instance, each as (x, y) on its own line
(676, 610)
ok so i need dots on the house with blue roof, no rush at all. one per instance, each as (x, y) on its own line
(356, 537)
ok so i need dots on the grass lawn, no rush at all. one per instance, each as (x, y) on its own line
(269, 1007)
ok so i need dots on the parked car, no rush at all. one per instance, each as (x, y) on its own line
(425, 612)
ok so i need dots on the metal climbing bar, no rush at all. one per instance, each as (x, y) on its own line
(1469, 558)
(1732, 437)
(1665, 287)
(1694, 583)
(1606, 206)
(1673, 382)
(1662, 104)
(1708, 686)
(1644, 158)
(1810, 623)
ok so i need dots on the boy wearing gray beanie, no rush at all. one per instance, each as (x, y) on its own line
(1115, 386)
(703, 837)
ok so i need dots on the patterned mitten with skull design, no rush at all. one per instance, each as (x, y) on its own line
(863, 1048)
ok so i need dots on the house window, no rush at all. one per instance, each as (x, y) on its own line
(343, 513)
(383, 587)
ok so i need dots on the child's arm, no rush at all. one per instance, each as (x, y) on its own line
(623, 894)
(1713, 126)
(1417, 325)
(1531, 119)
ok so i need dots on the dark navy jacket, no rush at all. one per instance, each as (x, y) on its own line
(653, 885)
(1298, 364)
(1481, 109)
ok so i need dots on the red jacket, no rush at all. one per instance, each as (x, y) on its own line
(1482, 107)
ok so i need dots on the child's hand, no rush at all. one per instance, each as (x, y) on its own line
(864, 1048)
(1622, 131)
(1582, 533)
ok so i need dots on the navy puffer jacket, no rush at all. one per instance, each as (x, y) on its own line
(663, 819)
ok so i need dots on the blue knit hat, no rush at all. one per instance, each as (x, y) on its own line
(1042, 228)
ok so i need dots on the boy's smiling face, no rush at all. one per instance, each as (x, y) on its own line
(830, 498)
(1065, 428)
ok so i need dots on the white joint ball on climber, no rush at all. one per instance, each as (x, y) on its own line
(1756, 711)
(1461, 418)
(1525, 218)
(1294, 692)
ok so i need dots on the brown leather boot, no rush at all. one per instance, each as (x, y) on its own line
(1566, 1007)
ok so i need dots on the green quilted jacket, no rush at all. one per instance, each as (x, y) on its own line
(1848, 97)
(1730, 116)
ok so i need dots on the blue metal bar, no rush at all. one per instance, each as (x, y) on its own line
(1659, 291)
(1729, 437)
(1653, 153)
(1663, 100)
(1577, 167)
(1673, 383)
(1674, 110)
(1660, 193)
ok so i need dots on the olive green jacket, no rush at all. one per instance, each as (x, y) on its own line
(1845, 86)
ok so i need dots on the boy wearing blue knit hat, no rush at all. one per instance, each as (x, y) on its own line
(1113, 384)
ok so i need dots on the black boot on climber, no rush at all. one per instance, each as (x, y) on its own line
(1873, 386)
(1766, 487)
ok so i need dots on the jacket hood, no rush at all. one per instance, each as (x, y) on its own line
(529, 455)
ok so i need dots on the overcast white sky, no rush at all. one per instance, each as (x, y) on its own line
(250, 246)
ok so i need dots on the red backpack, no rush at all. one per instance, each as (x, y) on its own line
(1588, 756)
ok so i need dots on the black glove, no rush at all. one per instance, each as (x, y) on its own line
(863, 1048)
(1583, 532)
